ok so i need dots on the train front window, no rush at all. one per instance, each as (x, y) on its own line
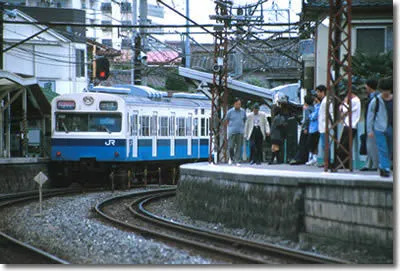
(88, 122)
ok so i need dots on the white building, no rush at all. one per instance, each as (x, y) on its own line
(56, 61)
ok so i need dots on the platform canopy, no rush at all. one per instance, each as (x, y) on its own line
(21, 100)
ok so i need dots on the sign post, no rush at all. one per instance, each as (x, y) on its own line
(41, 178)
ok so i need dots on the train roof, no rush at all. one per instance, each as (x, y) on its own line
(143, 95)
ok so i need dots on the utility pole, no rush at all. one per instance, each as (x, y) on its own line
(1, 34)
(134, 34)
(187, 41)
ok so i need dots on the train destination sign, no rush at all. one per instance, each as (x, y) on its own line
(109, 105)
(66, 105)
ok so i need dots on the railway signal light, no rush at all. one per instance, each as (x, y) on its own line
(102, 68)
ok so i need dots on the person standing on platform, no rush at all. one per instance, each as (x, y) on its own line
(302, 153)
(372, 150)
(321, 93)
(313, 134)
(355, 118)
(235, 120)
(256, 130)
(280, 115)
(380, 124)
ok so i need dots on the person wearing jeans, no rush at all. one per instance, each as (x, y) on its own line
(235, 119)
(380, 124)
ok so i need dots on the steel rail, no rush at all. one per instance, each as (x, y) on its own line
(224, 252)
(302, 256)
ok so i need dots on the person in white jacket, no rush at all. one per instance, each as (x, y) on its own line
(256, 129)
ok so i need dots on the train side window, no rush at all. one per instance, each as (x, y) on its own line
(172, 124)
(154, 124)
(202, 127)
(163, 126)
(196, 127)
(180, 131)
(144, 125)
(189, 124)
(134, 124)
(207, 127)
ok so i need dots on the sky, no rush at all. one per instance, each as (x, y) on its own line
(201, 9)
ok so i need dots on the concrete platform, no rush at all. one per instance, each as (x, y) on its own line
(284, 173)
(293, 201)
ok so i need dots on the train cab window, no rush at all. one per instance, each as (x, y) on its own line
(195, 127)
(203, 127)
(163, 126)
(180, 131)
(144, 125)
(189, 123)
(88, 122)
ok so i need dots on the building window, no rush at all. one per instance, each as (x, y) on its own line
(107, 42)
(126, 7)
(126, 44)
(373, 41)
(49, 85)
(80, 62)
(106, 7)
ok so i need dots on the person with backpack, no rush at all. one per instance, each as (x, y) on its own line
(371, 149)
(380, 124)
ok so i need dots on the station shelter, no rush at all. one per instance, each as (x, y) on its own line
(25, 117)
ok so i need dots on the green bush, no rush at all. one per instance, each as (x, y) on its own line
(176, 82)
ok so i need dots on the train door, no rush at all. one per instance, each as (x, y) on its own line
(172, 132)
(189, 133)
(154, 132)
(134, 133)
(196, 134)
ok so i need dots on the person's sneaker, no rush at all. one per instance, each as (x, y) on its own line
(237, 164)
(230, 162)
(258, 163)
(252, 163)
(312, 162)
(384, 173)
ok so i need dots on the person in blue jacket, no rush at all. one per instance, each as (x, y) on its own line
(313, 134)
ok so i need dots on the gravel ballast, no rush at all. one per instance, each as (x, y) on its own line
(70, 229)
(168, 209)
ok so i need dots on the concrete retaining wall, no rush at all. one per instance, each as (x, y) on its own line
(356, 211)
(270, 209)
(16, 175)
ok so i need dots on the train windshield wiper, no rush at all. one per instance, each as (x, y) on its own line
(65, 127)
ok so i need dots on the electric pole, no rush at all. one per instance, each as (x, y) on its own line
(134, 34)
(187, 41)
(1, 34)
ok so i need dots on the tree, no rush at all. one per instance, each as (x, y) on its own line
(176, 82)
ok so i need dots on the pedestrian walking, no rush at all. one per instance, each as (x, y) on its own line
(280, 115)
(371, 164)
(380, 124)
(313, 134)
(302, 152)
(342, 151)
(235, 120)
(256, 130)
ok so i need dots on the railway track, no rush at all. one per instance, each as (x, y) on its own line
(14, 251)
(230, 247)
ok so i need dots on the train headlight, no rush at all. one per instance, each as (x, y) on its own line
(116, 154)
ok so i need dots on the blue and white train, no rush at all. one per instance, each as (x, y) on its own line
(126, 127)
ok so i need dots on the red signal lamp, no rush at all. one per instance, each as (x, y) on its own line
(102, 74)
(58, 154)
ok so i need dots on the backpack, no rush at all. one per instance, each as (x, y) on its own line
(376, 106)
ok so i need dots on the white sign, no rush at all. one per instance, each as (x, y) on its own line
(41, 178)
(155, 11)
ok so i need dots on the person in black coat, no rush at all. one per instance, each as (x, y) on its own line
(280, 115)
